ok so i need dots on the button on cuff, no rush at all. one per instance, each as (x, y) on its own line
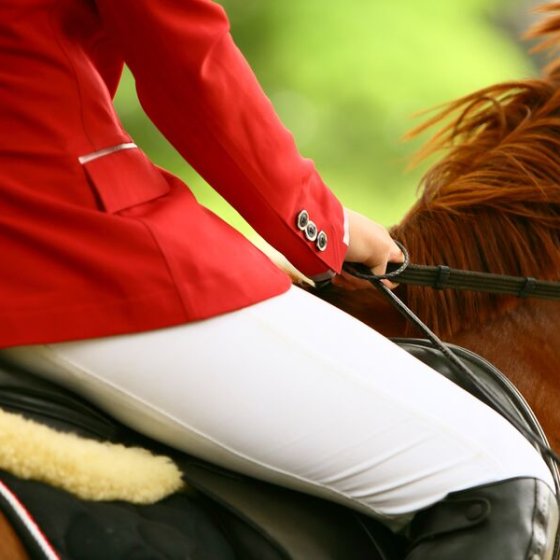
(322, 241)
(302, 220)
(311, 231)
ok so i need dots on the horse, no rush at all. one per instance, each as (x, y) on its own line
(492, 203)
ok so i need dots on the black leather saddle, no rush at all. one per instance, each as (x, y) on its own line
(228, 515)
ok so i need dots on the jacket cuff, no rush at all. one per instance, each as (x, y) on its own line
(324, 278)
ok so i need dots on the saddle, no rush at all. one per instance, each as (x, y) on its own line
(221, 514)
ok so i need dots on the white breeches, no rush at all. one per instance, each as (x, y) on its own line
(295, 391)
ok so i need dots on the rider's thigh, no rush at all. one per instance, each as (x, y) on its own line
(295, 391)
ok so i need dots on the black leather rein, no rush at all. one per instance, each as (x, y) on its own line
(535, 436)
(440, 277)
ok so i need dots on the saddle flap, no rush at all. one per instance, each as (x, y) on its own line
(492, 379)
(299, 526)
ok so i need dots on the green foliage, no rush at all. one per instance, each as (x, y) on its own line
(346, 77)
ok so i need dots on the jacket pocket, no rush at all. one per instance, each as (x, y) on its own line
(122, 177)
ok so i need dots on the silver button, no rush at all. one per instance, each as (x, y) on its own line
(302, 220)
(322, 241)
(311, 231)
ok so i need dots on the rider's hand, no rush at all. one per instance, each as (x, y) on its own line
(371, 245)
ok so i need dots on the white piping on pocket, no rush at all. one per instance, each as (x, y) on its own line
(106, 151)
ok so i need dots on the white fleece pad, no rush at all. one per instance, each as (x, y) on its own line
(89, 469)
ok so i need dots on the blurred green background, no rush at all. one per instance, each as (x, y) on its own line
(346, 77)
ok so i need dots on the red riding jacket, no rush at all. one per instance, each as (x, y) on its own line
(95, 239)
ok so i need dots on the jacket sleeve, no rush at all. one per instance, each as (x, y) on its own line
(198, 89)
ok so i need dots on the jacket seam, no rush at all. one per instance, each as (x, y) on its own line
(167, 265)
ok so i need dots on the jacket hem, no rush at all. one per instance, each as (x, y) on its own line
(155, 311)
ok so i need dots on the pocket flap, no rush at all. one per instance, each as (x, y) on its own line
(124, 178)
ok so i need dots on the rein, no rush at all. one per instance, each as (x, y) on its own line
(440, 277)
(534, 435)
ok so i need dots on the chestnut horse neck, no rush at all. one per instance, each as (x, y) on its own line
(493, 203)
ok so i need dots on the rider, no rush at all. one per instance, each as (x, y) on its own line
(120, 286)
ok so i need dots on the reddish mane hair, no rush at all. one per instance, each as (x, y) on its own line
(493, 202)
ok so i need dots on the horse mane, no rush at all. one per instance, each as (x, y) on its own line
(493, 202)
